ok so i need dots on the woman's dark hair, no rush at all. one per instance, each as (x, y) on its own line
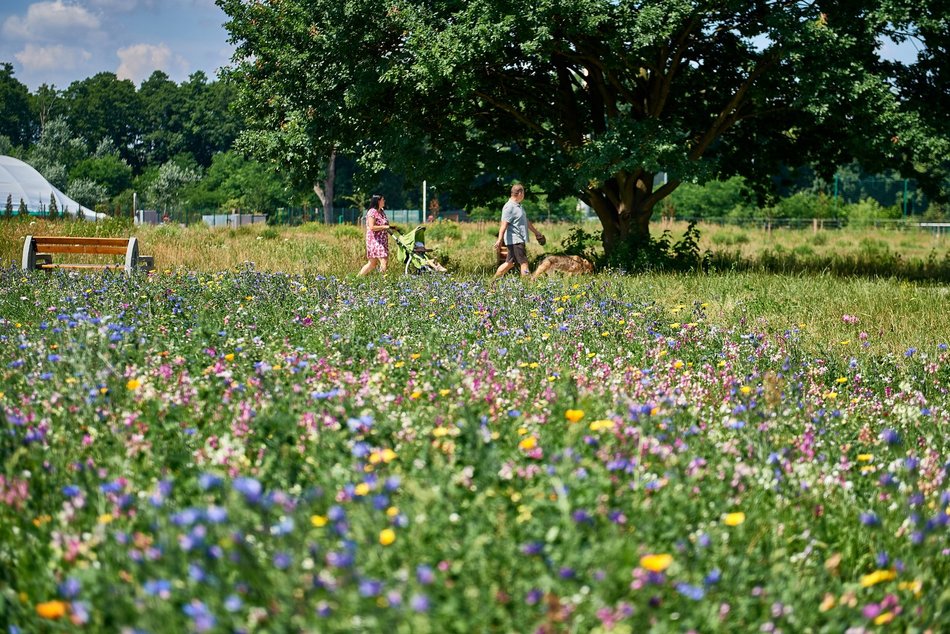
(374, 201)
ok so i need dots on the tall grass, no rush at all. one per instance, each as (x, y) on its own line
(467, 248)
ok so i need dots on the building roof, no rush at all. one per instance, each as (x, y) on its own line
(20, 181)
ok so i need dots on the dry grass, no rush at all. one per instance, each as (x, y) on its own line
(338, 250)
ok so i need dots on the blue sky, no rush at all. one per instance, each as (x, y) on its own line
(60, 41)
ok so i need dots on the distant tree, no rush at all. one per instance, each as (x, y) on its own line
(8, 210)
(211, 125)
(23, 211)
(111, 171)
(87, 192)
(162, 126)
(46, 104)
(56, 152)
(105, 106)
(165, 191)
(53, 210)
(15, 115)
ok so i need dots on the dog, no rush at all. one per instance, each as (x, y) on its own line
(567, 264)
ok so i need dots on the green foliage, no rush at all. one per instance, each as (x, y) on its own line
(8, 208)
(443, 229)
(109, 171)
(590, 99)
(713, 199)
(869, 210)
(803, 205)
(15, 116)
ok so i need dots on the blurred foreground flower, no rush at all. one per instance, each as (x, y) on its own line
(656, 563)
(51, 609)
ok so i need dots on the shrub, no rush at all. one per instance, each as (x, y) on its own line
(443, 229)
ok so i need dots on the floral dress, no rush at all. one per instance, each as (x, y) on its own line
(377, 242)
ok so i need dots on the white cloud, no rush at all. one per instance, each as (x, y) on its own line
(55, 57)
(122, 5)
(138, 61)
(51, 21)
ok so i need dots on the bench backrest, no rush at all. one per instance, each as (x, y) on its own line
(38, 250)
(67, 244)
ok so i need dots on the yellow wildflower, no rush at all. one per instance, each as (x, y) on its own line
(362, 489)
(51, 609)
(598, 425)
(133, 385)
(827, 603)
(229, 356)
(528, 443)
(865, 457)
(387, 536)
(319, 521)
(746, 390)
(574, 415)
(656, 563)
(877, 577)
(884, 618)
(733, 519)
(106, 518)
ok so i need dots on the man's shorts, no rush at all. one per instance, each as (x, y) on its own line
(517, 254)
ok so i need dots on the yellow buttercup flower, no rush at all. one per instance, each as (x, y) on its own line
(598, 425)
(387, 536)
(865, 457)
(106, 518)
(528, 443)
(319, 521)
(574, 415)
(133, 385)
(362, 489)
(51, 609)
(746, 390)
(656, 563)
(877, 577)
(884, 618)
(229, 356)
(733, 519)
(415, 395)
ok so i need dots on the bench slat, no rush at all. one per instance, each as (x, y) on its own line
(45, 241)
(90, 249)
(80, 266)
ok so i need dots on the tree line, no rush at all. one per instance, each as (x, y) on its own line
(103, 139)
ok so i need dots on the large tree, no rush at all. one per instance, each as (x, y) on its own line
(614, 101)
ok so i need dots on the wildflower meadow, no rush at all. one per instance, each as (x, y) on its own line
(253, 451)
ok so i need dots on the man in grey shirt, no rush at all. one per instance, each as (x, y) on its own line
(513, 233)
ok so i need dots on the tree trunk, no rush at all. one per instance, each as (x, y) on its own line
(324, 190)
(624, 205)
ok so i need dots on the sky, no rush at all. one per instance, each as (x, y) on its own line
(57, 42)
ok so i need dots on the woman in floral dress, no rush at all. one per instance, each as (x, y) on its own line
(377, 236)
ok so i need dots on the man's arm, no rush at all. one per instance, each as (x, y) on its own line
(501, 232)
(532, 229)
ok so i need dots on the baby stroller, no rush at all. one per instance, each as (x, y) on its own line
(412, 251)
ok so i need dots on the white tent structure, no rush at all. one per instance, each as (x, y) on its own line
(19, 181)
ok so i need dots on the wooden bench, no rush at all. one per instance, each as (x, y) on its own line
(38, 253)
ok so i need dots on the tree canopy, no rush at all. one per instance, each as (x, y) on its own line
(616, 102)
